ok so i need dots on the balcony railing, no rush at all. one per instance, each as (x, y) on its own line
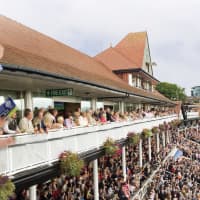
(192, 115)
(34, 150)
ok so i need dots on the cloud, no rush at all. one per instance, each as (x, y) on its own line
(92, 25)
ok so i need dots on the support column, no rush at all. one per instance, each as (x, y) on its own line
(94, 104)
(163, 138)
(157, 142)
(121, 107)
(28, 100)
(95, 179)
(33, 192)
(124, 162)
(140, 152)
(167, 137)
(149, 147)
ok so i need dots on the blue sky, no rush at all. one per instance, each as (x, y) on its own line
(92, 25)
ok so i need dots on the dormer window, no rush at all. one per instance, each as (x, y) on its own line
(148, 67)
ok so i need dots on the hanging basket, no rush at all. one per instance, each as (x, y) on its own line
(71, 164)
(133, 138)
(162, 127)
(176, 123)
(155, 130)
(146, 133)
(110, 147)
(6, 188)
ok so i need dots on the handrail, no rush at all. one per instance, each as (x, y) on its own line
(34, 150)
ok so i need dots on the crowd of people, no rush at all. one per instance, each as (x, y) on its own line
(41, 120)
(193, 134)
(112, 185)
(176, 180)
(179, 179)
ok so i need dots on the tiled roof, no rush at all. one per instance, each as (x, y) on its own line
(130, 51)
(22, 46)
(115, 60)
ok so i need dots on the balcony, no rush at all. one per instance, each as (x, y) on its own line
(32, 151)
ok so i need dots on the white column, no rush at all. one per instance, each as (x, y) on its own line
(121, 107)
(33, 192)
(163, 138)
(167, 137)
(149, 147)
(124, 162)
(94, 104)
(140, 152)
(95, 179)
(28, 100)
(157, 142)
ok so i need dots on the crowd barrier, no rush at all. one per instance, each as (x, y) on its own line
(35, 150)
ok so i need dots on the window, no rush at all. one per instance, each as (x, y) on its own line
(85, 105)
(134, 81)
(42, 102)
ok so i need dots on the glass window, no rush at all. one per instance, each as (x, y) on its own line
(42, 102)
(100, 105)
(85, 105)
(134, 81)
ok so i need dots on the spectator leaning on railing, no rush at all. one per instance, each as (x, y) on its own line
(10, 126)
(25, 124)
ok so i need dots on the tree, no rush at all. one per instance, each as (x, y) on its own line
(171, 91)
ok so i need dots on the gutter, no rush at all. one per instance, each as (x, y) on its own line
(29, 70)
(136, 70)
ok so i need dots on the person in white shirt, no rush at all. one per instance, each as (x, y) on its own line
(83, 119)
(25, 124)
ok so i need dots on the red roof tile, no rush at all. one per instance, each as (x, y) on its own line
(20, 45)
(115, 60)
(127, 54)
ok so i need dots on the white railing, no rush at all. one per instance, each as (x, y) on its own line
(30, 150)
(192, 115)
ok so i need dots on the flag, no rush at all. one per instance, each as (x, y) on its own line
(7, 108)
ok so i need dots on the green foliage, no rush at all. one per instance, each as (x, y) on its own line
(146, 133)
(171, 91)
(6, 188)
(133, 138)
(71, 164)
(175, 123)
(155, 130)
(110, 147)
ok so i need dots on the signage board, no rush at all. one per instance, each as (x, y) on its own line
(59, 92)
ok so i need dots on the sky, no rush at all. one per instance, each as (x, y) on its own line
(93, 25)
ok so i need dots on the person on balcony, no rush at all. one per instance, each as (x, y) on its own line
(109, 115)
(68, 122)
(90, 117)
(4, 141)
(25, 124)
(38, 121)
(83, 120)
(60, 121)
(10, 126)
(103, 117)
(50, 118)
